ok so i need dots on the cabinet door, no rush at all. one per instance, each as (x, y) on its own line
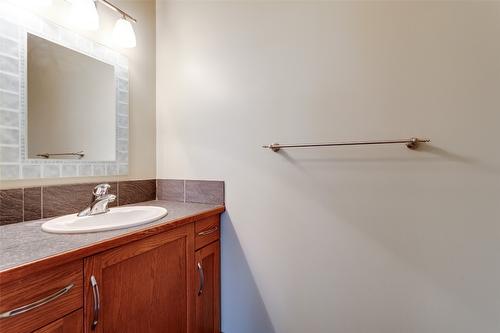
(208, 289)
(142, 287)
(72, 323)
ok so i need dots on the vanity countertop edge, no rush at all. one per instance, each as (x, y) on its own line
(57, 249)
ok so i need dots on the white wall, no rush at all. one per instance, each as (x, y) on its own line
(142, 73)
(347, 240)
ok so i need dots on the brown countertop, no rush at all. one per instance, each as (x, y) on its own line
(23, 244)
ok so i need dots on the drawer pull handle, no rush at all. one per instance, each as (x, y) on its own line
(36, 304)
(202, 279)
(97, 301)
(207, 232)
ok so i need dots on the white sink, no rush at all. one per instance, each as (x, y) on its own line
(116, 218)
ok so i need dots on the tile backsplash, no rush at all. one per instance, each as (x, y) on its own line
(32, 203)
(170, 189)
(199, 191)
(11, 206)
(68, 199)
(203, 191)
(136, 191)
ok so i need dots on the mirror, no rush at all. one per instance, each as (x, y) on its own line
(71, 104)
(60, 93)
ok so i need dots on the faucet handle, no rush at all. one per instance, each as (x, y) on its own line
(101, 190)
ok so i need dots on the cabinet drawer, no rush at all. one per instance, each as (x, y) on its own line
(72, 323)
(206, 231)
(41, 298)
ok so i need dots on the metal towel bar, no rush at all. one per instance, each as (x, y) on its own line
(79, 154)
(411, 143)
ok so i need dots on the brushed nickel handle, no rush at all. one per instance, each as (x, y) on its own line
(97, 301)
(37, 304)
(202, 279)
(208, 232)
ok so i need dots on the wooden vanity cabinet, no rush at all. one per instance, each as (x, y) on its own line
(208, 289)
(206, 231)
(165, 282)
(72, 323)
(40, 298)
(158, 284)
(144, 286)
(207, 278)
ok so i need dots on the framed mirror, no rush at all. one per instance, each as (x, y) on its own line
(63, 102)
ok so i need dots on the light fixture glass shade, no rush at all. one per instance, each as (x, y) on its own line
(84, 15)
(123, 34)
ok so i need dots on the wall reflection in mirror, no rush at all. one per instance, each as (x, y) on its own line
(71, 104)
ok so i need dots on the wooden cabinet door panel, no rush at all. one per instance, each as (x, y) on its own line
(207, 283)
(145, 286)
(72, 323)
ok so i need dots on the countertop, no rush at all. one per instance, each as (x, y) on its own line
(24, 243)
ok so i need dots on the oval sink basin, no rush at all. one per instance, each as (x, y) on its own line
(116, 218)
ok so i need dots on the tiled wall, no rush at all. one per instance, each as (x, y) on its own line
(26, 204)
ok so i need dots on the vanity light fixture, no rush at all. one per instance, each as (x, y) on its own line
(85, 16)
(123, 33)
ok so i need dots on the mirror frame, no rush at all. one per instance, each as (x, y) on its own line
(14, 164)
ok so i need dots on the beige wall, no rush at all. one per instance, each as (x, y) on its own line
(348, 240)
(142, 71)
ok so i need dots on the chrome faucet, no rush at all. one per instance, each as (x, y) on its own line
(100, 201)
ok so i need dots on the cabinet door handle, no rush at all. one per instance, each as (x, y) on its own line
(97, 301)
(207, 232)
(37, 304)
(202, 279)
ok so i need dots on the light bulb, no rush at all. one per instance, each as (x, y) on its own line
(84, 15)
(123, 34)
